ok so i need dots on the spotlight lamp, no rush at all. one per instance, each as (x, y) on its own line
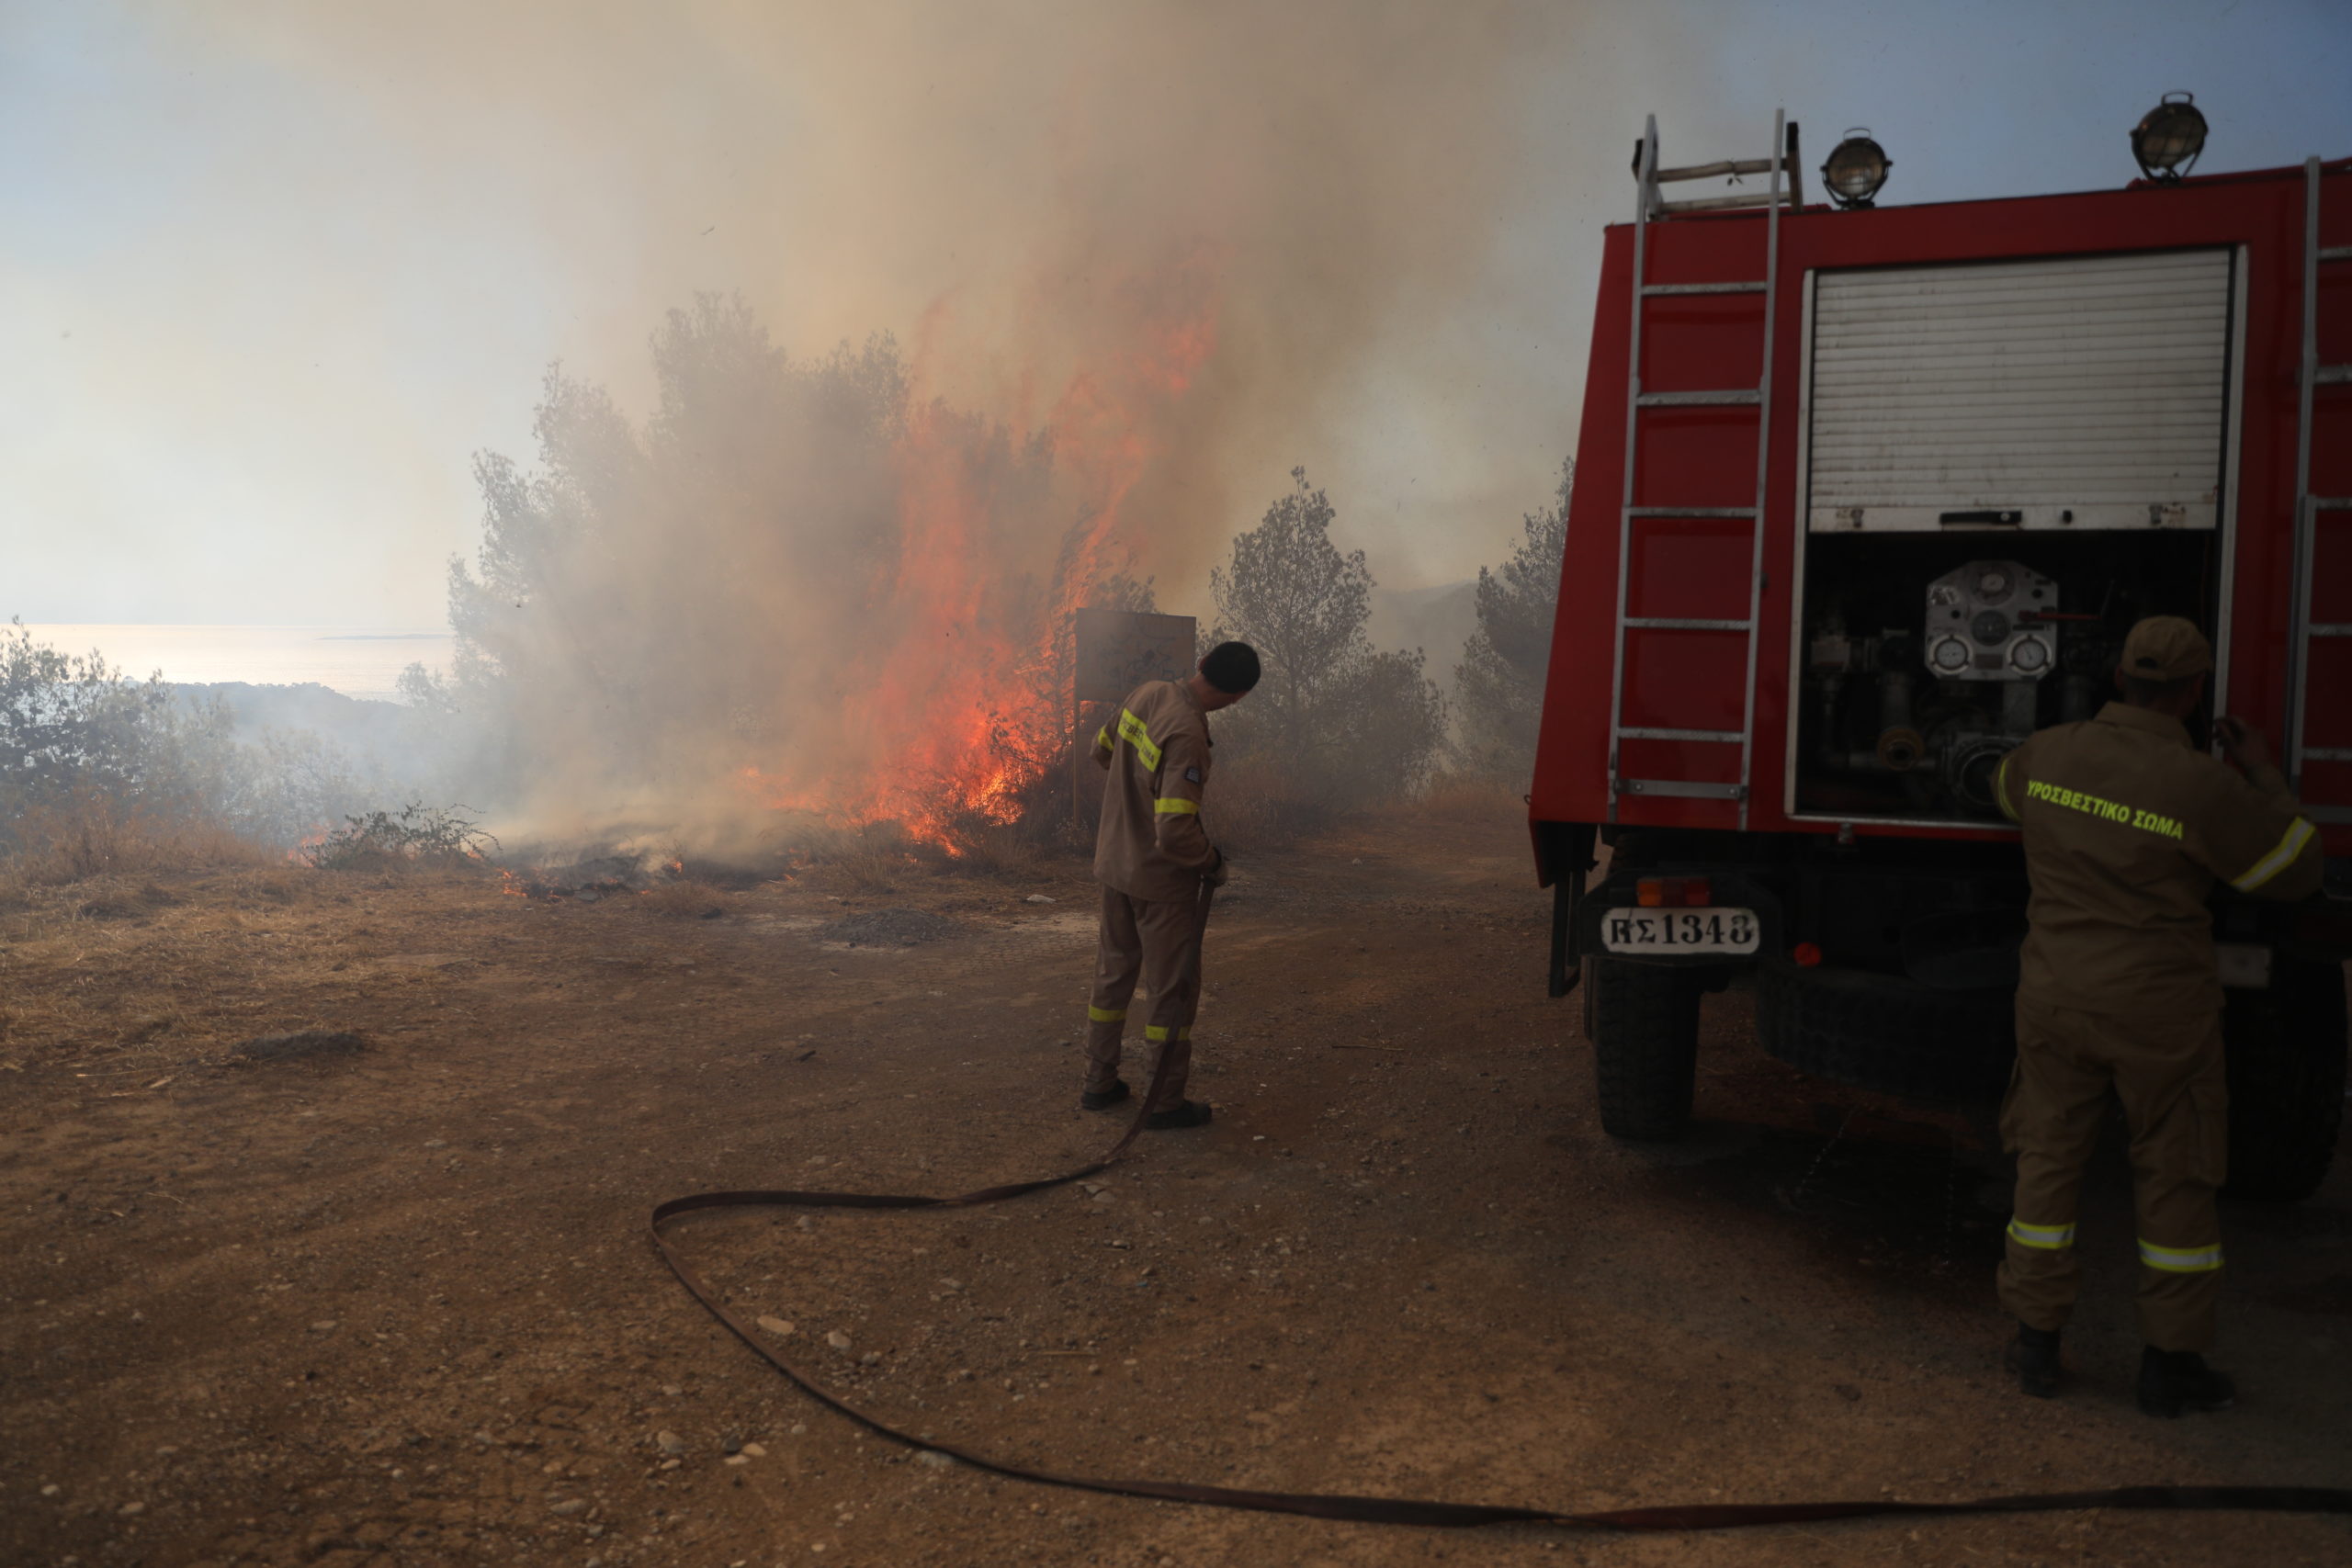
(2169, 138)
(1856, 167)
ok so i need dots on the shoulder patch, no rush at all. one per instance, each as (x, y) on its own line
(1192, 775)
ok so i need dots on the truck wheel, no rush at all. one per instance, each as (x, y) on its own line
(2286, 1050)
(1644, 1047)
(1584, 978)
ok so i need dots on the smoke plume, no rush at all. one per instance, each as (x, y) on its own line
(1129, 254)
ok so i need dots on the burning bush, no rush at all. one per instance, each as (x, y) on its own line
(795, 589)
(799, 602)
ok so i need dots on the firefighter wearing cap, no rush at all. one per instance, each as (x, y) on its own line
(1156, 864)
(2127, 830)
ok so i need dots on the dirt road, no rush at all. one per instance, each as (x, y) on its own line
(397, 1306)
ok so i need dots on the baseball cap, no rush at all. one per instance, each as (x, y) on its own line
(2166, 647)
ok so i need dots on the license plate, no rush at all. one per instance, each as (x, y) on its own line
(1678, 931)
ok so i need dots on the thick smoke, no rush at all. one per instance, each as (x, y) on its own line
(1131, 255)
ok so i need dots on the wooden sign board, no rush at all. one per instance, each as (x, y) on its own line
(1120, 649)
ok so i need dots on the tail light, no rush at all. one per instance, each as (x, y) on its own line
(1807, 954)
(1674, 892)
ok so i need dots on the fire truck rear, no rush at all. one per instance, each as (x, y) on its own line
(1865, 496)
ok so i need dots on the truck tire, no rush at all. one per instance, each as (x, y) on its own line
(1584, 978)
(1887, 1033)
(2286, 1050)
(1644, 1047)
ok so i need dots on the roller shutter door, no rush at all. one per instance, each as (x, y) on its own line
(2084, 393)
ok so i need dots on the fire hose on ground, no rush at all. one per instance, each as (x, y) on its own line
(1400, 1510)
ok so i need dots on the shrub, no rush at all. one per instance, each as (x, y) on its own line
(417, 835)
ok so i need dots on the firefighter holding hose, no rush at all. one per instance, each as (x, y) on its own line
(2127, 828)
(1157, 867)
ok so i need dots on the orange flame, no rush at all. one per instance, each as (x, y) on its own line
(301, 852)
(954, 722)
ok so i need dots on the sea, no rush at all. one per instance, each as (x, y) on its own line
(358, 661)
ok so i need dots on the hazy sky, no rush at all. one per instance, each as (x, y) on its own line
(271, 274)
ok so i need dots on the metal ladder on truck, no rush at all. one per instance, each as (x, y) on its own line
(2304, 632)
(1649, 177)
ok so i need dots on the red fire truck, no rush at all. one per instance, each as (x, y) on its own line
(1865, 496)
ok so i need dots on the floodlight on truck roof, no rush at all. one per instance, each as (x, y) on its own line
(1856, 168)
(2169, 137)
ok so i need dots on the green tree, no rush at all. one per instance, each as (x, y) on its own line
(1346, 721)
(89, 754)
(72, 722)
(1499, 685)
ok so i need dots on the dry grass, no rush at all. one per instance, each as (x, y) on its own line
(1005, 852)
(870, 871)
(36, 909)
(1252, 807)
(93, 835)
(882, 858)
(876, 858)
(80, 961)
(1467, 797)
(683, 899)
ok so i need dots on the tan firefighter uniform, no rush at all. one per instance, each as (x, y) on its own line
(1151, 855)
(2127, 828)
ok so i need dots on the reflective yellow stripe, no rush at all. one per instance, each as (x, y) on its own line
(1104, 1015)
(1103, 738)
(2049, 1238)
(2276, 859)
(1133, 731)
(1160, 1031)
(2001, 790)
(1173, 806)
(2180, 1260)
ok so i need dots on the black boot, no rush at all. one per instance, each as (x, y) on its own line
(1104, 1099)
(2175, 1383)
(1191, 1113)
(2033, 1357)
